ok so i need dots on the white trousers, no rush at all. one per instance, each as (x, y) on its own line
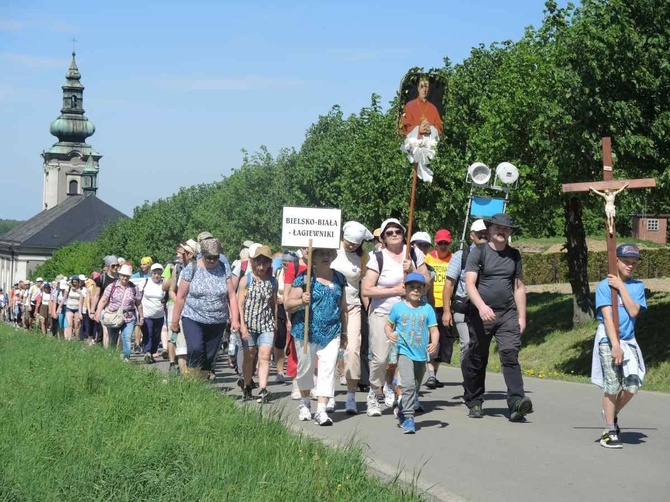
(327, 361)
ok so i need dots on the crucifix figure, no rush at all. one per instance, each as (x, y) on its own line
(610, 208)
(610, 189)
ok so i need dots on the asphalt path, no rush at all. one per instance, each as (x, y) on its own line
(554, 456)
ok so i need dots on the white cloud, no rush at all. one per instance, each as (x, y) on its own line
(37, 62)
(229, 83)
(10, 24)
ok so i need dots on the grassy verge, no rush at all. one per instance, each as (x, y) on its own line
(553, 349)
(78, 424)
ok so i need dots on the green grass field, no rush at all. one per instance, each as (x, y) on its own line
(553, 349)
(78, 424)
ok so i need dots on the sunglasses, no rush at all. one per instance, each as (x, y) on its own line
(389, 233)
(211, 257)
(481, 235)
(443, 243)
(114, 266)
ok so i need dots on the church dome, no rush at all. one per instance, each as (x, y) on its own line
(73, 129)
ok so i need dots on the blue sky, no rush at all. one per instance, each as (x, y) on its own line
(177, 89)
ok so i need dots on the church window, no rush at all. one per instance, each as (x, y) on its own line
(74, 187)
(73, 101)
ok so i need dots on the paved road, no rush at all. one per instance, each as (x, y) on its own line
(554, 456)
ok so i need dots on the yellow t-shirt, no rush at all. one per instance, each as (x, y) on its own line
(440, 267)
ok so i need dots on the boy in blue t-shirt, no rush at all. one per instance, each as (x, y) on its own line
(409, 324)
(618, 366)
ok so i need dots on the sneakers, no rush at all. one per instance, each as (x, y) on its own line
(246, 394)
(304, 414)
(321, 418)
(611, 439)
(350, 408)
(343, 380)
(520, 409)
(280, 378)
(295, 395)
(330, 406)
(476, 411)
(408, 426)
(389, 396)
(373, 406)
(174, 368)
(263, 396)
(431, 383)
(148, 358)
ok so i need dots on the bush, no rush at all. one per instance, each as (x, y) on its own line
(547, 268)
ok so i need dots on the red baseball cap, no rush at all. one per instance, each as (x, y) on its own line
(443, 235)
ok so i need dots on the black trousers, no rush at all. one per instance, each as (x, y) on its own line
(446, 349)
(506, 330)
(202, 342)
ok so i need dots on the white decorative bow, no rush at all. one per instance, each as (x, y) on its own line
(421, 152)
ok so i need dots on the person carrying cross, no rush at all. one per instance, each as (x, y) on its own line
(617, 364)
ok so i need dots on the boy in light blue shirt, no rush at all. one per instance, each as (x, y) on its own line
(413, 326)
(618, 366)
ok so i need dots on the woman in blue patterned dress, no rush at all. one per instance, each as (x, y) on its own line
(327, 331)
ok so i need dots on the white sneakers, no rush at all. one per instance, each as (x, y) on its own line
(374, 409)
(304, 413)
(321, 418)
(330, 406)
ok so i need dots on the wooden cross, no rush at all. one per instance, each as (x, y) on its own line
(609, 183)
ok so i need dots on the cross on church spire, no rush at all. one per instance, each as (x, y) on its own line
(74, 41)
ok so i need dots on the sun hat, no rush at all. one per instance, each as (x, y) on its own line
(126, 270)
(502, 220)
(156, 266)
(82, 277)
(390, 221)
(121, 261)
(247, 244)
(478, 226)
(111, 260)
(39, 279)
(628, 251)
(146, 260)
(260, 250)
(377, 232)
(204, 236)
(191, 246)
(443, 235)
(415, 277)
(421, 237)
(210, 247)
(355, 232)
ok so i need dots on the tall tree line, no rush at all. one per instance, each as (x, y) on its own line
(542, 103)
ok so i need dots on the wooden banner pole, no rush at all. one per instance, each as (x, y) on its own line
(308, 289)
(411, 210)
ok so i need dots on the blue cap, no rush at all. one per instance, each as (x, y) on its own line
(628, 251)
(415, 277)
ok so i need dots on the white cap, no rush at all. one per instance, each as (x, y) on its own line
(355, 232)
(156, 266)
(421, 237)
(39, 279)
(82, 277)
(478, 226)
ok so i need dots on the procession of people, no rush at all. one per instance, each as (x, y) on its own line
(377, 322)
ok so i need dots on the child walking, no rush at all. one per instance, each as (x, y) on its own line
(410, 324)
(617, 366)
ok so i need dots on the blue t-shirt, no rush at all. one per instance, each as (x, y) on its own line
(412, 326)
(604, 299)
(207, 298)
(325, 323)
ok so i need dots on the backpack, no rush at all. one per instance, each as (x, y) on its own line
(461, 304)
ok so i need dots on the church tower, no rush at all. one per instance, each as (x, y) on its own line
(71, 163)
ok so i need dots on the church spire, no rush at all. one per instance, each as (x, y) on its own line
(72, 126)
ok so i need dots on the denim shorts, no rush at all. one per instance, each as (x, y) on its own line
(256, 339)
(613, 375)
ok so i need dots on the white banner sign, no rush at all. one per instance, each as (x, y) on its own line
(300, 224)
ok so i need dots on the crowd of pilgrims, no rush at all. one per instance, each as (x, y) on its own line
(373, 325)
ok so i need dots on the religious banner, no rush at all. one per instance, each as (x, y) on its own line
(302, 224)
(420, 121)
